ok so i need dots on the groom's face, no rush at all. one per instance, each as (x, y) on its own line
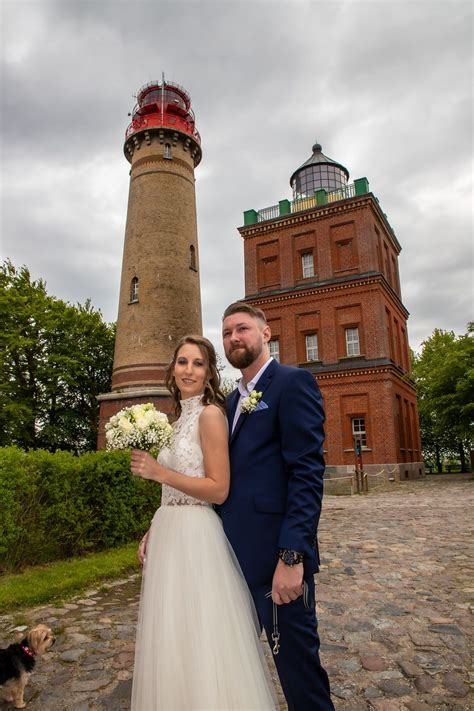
(244, 339)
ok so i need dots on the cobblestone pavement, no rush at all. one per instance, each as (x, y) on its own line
(395, 601)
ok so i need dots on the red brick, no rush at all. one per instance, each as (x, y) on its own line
(356, 284)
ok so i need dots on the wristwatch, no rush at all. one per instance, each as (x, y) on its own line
(290, 557)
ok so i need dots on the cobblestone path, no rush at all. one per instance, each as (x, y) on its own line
(395, 602)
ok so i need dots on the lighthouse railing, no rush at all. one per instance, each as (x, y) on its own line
(321, 197)
(347, 191)
(269, 213)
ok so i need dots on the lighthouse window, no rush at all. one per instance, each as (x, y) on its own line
(328, 177)
(167, 151)
(134, 290)
(192, 258)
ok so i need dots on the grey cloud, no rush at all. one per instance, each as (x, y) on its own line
(384, 86)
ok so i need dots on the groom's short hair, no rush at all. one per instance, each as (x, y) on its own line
(241, 307)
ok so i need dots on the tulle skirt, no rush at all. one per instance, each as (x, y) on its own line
(198, 646)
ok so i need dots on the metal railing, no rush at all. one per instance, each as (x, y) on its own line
(154, 121)
(341, 193)
(268, 213)
(306, 203)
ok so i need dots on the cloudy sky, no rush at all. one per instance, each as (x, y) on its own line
(385, 86)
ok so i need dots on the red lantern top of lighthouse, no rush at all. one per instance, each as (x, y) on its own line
(165, 105)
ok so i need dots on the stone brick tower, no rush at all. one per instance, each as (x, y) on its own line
(324, 268)
(160, 291)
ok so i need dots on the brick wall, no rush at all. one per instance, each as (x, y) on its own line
(161, 250)
(353, 295)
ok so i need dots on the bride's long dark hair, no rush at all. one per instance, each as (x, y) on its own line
(212, 393)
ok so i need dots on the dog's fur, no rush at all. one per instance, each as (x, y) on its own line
(16, 664)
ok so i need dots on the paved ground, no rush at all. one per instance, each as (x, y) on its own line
(395, 599)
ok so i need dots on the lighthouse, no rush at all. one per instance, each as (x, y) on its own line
(160, 297)
(324, 268)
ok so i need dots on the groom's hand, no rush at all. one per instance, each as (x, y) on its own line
(287, 582)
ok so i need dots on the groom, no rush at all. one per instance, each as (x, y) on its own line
(271, 514)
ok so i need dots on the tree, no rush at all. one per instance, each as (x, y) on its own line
(444, 374)
(55, 359)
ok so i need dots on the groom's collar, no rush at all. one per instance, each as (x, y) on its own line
(244, 390)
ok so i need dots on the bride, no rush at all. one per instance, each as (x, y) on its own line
(197, 645)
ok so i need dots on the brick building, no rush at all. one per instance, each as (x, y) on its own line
(160, 289)
(324, 268)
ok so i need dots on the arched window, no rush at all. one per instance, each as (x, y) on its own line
(192, 258)
(167, 151)
(134, 290)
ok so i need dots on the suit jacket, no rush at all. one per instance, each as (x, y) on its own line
(277, 468)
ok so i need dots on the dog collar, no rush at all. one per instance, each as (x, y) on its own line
(28, 651)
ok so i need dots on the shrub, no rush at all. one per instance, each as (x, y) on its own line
(59, 505)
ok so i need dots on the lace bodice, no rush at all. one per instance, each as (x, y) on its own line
(185, 454)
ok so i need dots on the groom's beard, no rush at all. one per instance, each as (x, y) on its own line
(244, 356)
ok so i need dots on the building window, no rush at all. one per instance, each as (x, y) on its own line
(134, 290)
(358, 430)
(274, 346)
(311, 346)
(352, 342)
(307, 265)
(167, 151)
(192, 258)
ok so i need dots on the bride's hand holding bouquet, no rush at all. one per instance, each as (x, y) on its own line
(140, 427)
(145, 430)
(146, 466)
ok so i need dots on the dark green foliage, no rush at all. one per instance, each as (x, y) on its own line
(444, 375)
(55, 359)
(59, 505)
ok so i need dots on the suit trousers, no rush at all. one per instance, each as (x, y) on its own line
(304, 681)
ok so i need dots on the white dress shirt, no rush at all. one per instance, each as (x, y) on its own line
(245, 390)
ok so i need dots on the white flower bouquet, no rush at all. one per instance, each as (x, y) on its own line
(251, 403)
(139, 427)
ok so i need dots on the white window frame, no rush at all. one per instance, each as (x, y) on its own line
(352, 341)
(311, 342)
(274, 347)
(167, 151)
(307, 265)
(359, 432)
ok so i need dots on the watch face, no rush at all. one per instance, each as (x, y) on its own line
(291, 557)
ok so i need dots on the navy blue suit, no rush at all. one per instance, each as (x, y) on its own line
(277, 468)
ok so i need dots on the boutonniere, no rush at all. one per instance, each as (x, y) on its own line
(252, 402)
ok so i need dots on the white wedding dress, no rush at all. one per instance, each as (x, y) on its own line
(197, 645)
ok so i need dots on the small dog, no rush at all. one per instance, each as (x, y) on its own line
(17, 662)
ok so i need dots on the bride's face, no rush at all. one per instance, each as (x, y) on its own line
(190, 371)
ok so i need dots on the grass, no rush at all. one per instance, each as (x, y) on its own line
(58, 581)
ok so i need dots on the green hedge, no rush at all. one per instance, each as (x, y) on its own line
(54, 506)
